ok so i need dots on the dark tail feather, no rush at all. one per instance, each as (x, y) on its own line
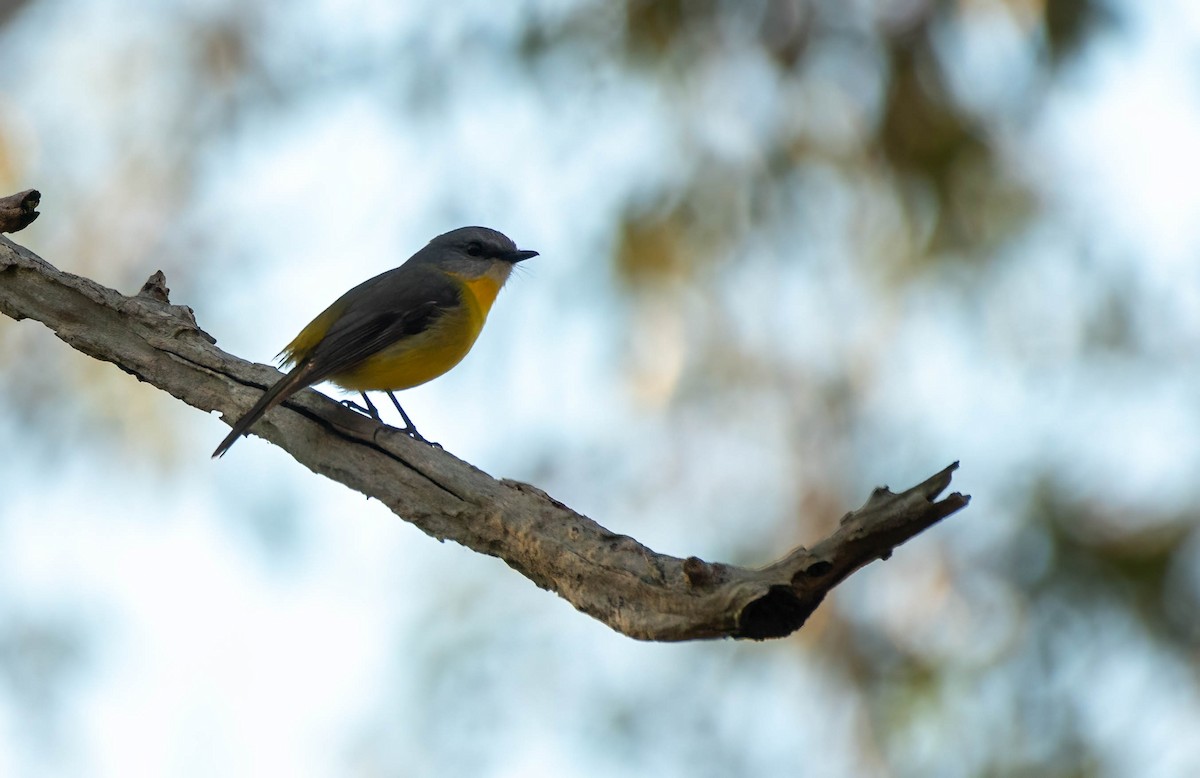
(280, 391)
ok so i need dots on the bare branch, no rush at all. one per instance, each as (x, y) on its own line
(611, 577)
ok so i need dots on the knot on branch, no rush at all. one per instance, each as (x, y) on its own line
(156, 288)
(703, 575)
(17, 211)
(776, 614)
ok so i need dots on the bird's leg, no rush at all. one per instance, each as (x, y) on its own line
(369, 410)
(410, 429)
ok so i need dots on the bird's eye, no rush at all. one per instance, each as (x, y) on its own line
(475, 248)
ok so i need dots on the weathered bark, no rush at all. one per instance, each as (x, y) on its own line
(611, 577)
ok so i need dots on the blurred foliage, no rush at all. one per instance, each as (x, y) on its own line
(1108, 555)
(864, 157)
(9, 9)
(1069, 24)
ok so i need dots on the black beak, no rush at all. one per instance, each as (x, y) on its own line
(517, 256)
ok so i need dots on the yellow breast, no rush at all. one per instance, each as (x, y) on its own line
(422, 357)
(484, 289)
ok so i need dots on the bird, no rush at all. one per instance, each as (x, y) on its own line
(400, 329)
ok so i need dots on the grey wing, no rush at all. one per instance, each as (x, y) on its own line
(399, 305)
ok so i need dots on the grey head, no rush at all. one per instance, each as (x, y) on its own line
(473, 252)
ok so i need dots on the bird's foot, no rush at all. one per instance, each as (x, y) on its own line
(369, 410)
(411, 431)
